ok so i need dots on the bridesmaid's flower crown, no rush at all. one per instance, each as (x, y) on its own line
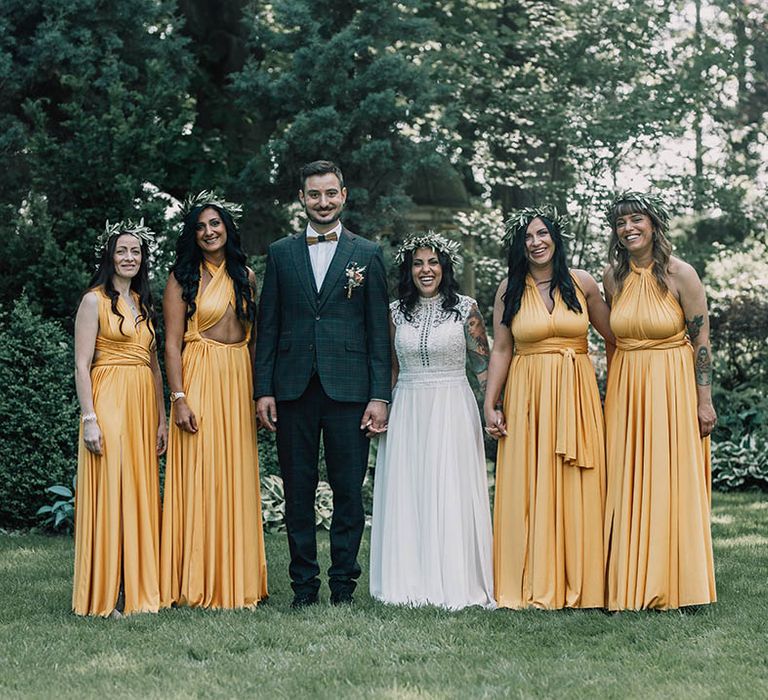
(208, 197)
(142, 232)
(647, 201)
(430, 239)
(518, 221)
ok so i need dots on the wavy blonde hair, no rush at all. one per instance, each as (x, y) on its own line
(618, 257)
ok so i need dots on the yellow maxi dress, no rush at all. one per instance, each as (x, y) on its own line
(117, 502)
(212, 552)
(550, 472)
(659, 546)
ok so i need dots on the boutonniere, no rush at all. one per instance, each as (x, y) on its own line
(355, 277)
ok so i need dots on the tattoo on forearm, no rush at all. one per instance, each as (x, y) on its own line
(694, 327)
(703, 367)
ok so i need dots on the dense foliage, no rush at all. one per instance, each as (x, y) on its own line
(110, 110)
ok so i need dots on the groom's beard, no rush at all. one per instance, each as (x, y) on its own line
(312, 216)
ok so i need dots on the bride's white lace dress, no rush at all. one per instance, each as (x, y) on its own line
(431, 537)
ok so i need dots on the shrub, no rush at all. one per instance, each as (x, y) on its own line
(742, 465)
(60, 515)
(38, 412)
(273, 504)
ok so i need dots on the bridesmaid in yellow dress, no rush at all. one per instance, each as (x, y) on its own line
(212, 551)
(123, 431)
(659, 413)
(550, 470)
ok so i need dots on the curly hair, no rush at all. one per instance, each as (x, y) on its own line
(105, 270)
(408, 295)
(186, 267)
(517, 270)
(618, 256)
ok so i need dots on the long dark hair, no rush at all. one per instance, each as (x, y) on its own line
(408, 295)
(186, 267)
(105, 270)
(517, 265)
(618, 256)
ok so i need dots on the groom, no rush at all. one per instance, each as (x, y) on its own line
(323, 367)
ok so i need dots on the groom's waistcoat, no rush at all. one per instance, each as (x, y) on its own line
(341, 335)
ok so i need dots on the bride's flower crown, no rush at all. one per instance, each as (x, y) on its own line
(518, 220)
(142, 232)
(208, 197)
(430, 239)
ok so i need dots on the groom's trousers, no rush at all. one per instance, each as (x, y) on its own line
(300, 424)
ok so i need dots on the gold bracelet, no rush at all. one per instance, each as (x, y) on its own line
(88, 417)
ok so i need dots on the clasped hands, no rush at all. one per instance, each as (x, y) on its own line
(374, 420)
(495, 423)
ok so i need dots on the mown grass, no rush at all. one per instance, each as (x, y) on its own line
(375, 651)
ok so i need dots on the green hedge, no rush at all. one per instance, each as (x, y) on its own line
(38, 413)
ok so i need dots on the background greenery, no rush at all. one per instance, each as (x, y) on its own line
(110, 110)
(373, 650)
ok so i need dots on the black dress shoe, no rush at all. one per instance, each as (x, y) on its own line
(304, 600)
(341, 598)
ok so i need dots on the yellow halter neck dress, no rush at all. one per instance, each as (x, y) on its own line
(212, 552)
(117, 503)
(550, 472)
(657, 514)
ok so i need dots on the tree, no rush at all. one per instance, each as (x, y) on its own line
(93, 108)
(342, 84)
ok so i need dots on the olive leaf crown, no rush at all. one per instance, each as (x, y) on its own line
(648, 201)
(208, 197)
(430, 239)
(142, 232)
(519, 219)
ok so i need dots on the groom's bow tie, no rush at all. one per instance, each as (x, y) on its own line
(322, 237)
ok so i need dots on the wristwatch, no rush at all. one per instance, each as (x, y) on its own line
(176, 395)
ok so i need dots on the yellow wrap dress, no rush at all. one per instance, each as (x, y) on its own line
(117, 501)
(550, 471)
(658, 509)
(212, 544)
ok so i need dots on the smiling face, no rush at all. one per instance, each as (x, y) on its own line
(635, 232)
(127, 256)
(210, 232)
(323, 198)
(539, 246)
(427, 271)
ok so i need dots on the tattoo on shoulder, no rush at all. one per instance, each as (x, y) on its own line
(476, 331)
(694, 327)
(703, 367)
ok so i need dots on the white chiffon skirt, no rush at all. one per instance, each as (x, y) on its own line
(431, 539)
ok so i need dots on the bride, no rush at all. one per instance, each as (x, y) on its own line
(431, 537)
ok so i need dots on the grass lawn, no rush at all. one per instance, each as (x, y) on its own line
(372, 650)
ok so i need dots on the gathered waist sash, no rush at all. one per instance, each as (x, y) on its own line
(570, 431)
(112, 353)
(630, 344)
(551, 346)
(195, 337)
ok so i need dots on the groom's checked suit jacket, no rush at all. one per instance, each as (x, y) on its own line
(301, 330)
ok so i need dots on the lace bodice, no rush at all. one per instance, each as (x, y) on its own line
(435, 343)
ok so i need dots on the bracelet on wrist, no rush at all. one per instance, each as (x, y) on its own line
(88, 418)
(176, 395)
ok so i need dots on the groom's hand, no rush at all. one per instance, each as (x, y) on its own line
(374, 419)
(266, 410)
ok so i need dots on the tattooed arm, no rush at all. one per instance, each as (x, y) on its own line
(498, 368)
(478, 352)
(694, 302)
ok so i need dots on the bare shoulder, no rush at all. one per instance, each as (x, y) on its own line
(90, 302)
(683, 276)
(251, 276)
(502, 288)
(585, 280)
